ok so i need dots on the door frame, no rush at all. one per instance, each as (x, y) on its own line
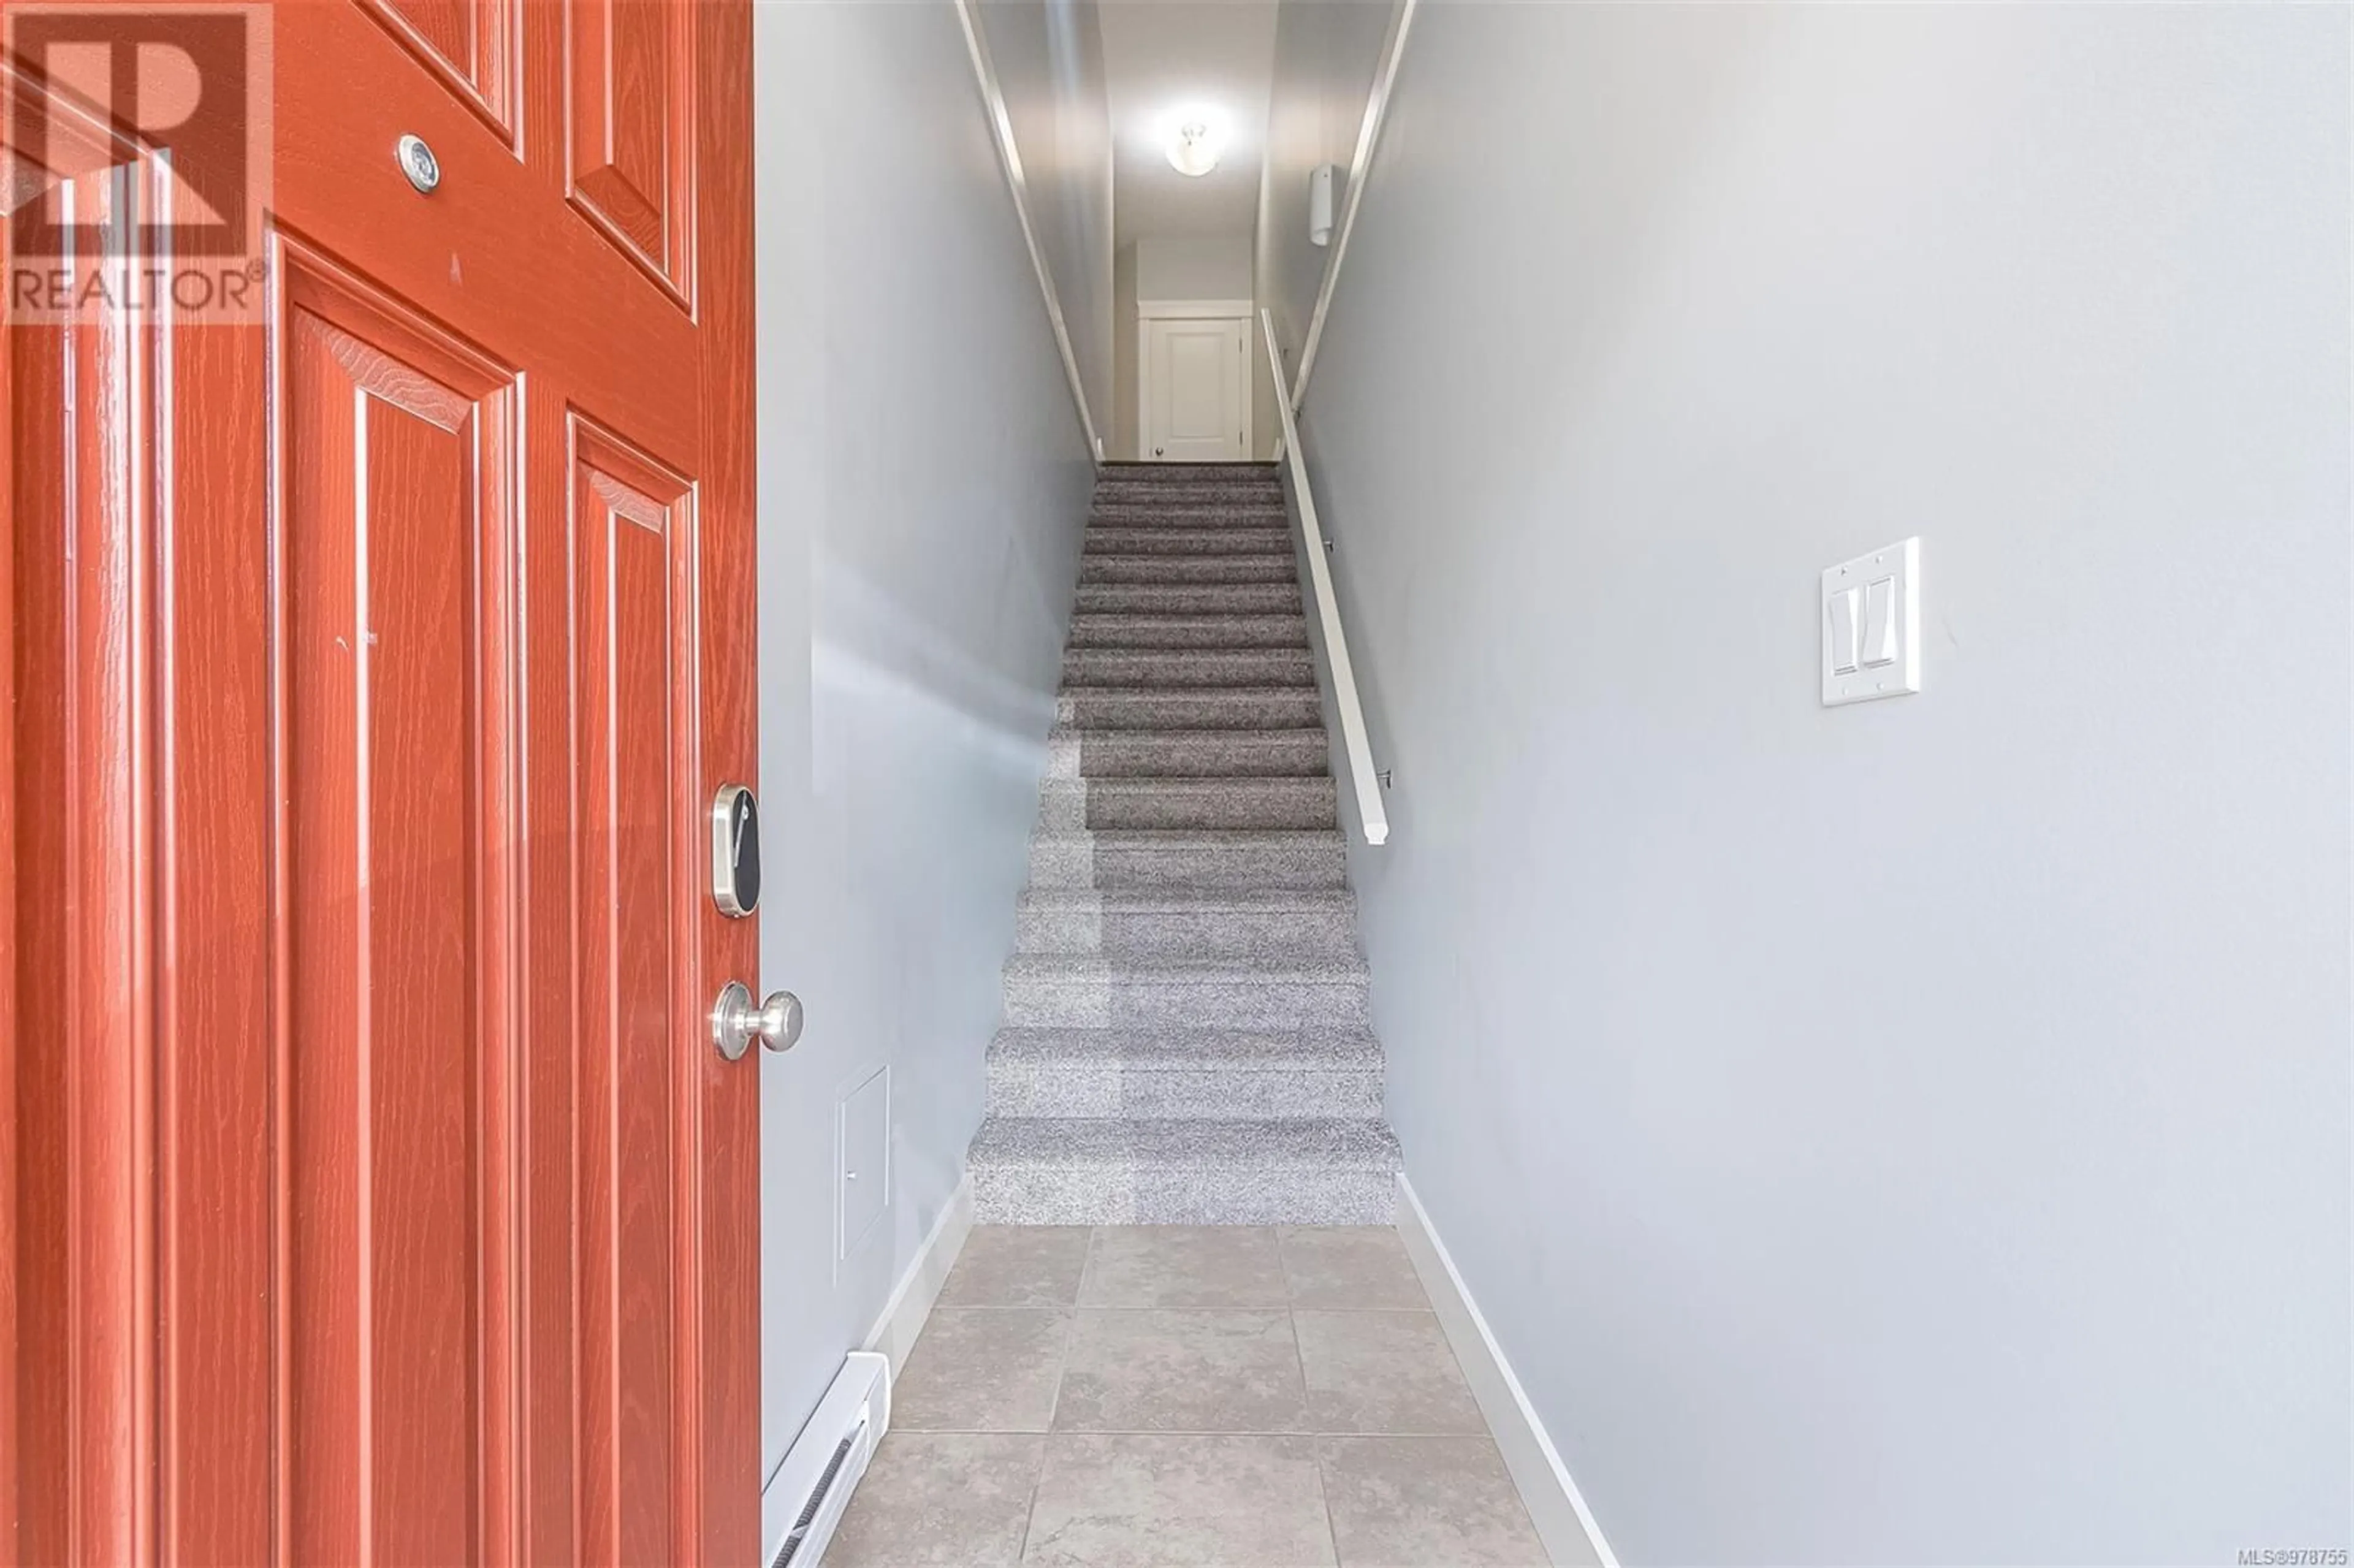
(1151, 311)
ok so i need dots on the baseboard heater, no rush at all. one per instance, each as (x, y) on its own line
(804, 1501)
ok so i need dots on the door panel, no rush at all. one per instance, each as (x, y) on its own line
(634, 542)
(629, 114)
(470, 44)
(1197, 387)
(398, 929)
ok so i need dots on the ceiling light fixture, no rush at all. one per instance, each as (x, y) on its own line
(1195, 143)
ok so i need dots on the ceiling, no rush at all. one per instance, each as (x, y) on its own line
(1161, 56)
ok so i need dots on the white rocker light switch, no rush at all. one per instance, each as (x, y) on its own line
(1871, 624)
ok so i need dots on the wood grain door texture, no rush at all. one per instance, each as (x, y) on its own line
(373, 1190)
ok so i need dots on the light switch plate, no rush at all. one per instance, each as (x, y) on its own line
(1870, 626)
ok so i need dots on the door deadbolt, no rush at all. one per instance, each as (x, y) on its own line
(736, 1022)
(736, 851)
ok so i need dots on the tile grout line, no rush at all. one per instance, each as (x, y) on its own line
(1054, 1406)
(1315, 1444)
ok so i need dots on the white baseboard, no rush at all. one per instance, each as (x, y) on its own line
(1555, 1507)
(910, 1305)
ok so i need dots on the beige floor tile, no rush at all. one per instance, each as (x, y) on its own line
(982, 1369)
(1350, 1268)
(1383, 1372)
(1018, 1265)
(1163, 1502)
(1425, 1502)
(1184, 1266)
(1181, 1371)
(940, 1499)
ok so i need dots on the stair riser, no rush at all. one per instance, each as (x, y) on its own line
(1266, 569)
(1163, 598)
(1270, 935)
(1204, 512)
(1228, 667)
(1260, 489)
(1085, 863)
(1203, 755)
(1218, 542)
(1059, 1002)
(1180, 1195)
(1183, 1094)
(1295, 709)
(1189, 632)
(1230, 804)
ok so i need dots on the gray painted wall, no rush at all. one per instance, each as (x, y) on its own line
(1326, 55)
(923, 482)
(1913, 1132)
(1050, 66)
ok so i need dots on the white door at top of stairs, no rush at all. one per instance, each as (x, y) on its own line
(1196, 402)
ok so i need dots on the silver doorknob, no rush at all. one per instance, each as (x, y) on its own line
(736, 1022)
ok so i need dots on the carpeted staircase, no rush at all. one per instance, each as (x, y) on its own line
(1186, 1037)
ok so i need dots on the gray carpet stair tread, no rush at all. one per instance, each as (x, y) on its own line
(1195, 838)
(1273, 566)
(1197, 708)
(1302, 1144)
(1190, 598)
(1222, 509)
(1139, 630)
(1290, 736)
(1104, 539)
(1348, 972)
(1185, 472)
(1149, 670)
(1074, 752)
(1147, 900)
(1142, 1050)
(1277, 800)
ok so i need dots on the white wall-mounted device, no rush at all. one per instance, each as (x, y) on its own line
(1871, 625)
(1322, 203)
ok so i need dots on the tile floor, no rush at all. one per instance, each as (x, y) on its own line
(1123, 1395)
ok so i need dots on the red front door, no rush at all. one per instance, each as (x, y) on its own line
(380, 1196)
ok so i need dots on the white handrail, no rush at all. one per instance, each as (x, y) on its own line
(1351, 713)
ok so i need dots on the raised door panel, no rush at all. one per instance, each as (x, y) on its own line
(472, 46)
(633, 547)
(629, 119)
(1197, 386)
(395, 541)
